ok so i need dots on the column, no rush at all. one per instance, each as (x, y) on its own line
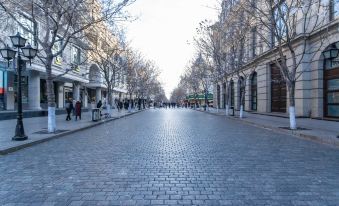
(76, 92)
(97, 94)
(61, 95)
(34, 90)
(85, 99)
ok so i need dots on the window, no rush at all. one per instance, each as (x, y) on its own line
(232, 93)
(254, 42)
(75, 55)
(334, 9)
(29, 25)
(254, 92)
(56, 48)
(279, 31)
(331, 83)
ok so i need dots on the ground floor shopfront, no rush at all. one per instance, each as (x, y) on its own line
(34, 90)
(316, 93)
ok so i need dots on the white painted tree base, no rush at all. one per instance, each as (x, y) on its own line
(51, 120)
(241, 115)
(129, 108)
(293, 122)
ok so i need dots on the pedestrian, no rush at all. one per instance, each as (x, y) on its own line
(99, 105)
(69, 108)
(77, 110)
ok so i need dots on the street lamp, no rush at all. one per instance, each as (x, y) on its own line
(9, 54)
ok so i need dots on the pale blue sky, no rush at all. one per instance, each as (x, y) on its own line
(163, 29)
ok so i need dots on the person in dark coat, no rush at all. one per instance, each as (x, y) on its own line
(77, 110)
(69, 108)
(99, 105)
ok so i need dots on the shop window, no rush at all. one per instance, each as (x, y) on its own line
(331, 81)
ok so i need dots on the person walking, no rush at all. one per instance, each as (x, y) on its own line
(69, 108)
(99, 105)
(77, 110)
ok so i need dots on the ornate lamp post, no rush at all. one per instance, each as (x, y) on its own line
(9, 54)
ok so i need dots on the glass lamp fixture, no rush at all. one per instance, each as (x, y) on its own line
(18, 41)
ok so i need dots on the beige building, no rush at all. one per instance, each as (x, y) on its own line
(317, 88)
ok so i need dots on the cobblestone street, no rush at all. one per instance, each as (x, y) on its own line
(172, 157)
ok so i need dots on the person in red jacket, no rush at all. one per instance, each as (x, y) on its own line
(77, 110)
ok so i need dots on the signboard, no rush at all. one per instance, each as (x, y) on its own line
(58, 60)
(2, 82)
(77, 69)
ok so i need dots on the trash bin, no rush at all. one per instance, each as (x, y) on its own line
(232, 111)
(96, 115)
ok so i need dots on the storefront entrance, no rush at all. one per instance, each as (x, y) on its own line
(278, 90)
(331, 83)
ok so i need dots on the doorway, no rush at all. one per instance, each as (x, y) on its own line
(278, 90)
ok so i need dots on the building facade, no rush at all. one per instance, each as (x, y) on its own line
(317, 88)
(76, 77)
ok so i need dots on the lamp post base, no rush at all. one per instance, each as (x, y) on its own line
(19, 138)
(19, 130)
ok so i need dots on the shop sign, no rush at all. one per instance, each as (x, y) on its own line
(58, 60)
(76, 69)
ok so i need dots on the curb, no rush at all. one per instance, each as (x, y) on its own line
(19, 147)
(313, 138)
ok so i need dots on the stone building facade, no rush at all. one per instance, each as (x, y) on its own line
(77, 84)
(317, 88)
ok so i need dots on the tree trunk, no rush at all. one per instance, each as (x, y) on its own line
(130, 103)
(292, 113)
(50, 97)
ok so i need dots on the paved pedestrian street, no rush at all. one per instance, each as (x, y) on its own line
(172, 157)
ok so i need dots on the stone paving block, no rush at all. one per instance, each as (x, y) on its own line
(178, 157)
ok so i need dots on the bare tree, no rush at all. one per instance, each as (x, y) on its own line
(209, 44)
(111, 68)
(203, 71)
(285, 27)
(62, 22)
(134, 61)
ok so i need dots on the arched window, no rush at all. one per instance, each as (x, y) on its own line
(254, 92)
(331, 81)
(241, 91)
(224, 95)
(232, 93)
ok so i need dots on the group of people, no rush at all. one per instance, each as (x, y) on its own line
(169, 105)
(75, 107)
